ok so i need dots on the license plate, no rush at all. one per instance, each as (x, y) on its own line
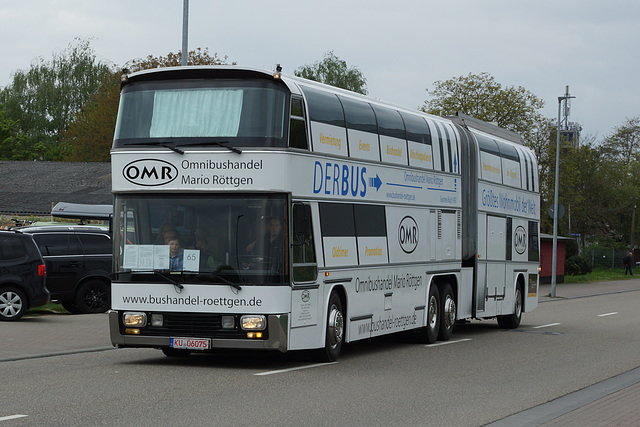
(191, 343)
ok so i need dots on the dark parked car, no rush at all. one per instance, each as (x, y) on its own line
(78, 260)
(22, 275)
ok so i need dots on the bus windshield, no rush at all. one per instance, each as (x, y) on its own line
(230, 239)
(194, 112)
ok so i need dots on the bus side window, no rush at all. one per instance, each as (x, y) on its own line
(297, 129)
(305, 268)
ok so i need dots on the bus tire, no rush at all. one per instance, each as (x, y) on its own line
(335, 330)
(448, 313)
(429, 333)
(512, 321)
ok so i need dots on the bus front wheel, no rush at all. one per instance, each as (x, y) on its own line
(335, 330)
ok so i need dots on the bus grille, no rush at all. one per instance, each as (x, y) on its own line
(194, 325)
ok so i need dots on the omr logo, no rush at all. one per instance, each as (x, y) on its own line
(150, 172)
(408, 234)
(520, 239)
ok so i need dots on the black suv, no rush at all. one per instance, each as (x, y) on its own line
(22, 275)
(78, 260)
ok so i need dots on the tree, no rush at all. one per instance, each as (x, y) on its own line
(198, 56)
(43, 99)
(624, 144)
(480, 96)
(90, 133)
(335, 72)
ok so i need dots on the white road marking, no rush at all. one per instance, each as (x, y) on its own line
(12, 417)
(546, 326)
(608, 314)
(282, 371)
(448, 342)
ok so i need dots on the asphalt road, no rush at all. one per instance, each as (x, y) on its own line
(482, 375)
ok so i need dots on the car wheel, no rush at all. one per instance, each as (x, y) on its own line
(93, 296)
(13, 304)
(70, 306)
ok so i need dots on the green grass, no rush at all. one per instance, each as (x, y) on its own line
(51, 308)
(601, 275)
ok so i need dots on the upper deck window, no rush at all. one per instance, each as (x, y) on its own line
(359, 115)
(324, 107)
(243, 113)
(417, 129)
(390, 123)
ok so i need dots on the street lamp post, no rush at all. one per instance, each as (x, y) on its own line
(185, 32)
(554, 257)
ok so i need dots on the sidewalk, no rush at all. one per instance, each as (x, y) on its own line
(607, 403)
(578, 290)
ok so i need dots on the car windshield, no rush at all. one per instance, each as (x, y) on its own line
(231, 240)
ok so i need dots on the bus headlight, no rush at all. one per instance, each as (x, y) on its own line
(134, 318)
(252, 322)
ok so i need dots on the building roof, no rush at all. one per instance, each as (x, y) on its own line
(33, 188)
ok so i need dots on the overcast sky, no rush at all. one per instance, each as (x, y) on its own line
(402, 46)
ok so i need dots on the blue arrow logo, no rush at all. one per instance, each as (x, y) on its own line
(375, 182)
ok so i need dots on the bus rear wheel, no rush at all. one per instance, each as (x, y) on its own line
(448, 312)
(429, 334)
(512, 321)
(335, 330)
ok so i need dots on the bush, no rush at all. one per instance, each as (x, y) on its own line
(577, 265)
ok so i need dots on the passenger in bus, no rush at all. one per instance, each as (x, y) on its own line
(176, 254)
(207, 261)
(170, 235)
(165, 228)
(268, 239)
(256, 239)
(274, 229)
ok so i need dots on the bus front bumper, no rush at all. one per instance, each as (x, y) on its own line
(277, 328)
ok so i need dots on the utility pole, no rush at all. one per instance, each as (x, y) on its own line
(554, 258)
(185, 32)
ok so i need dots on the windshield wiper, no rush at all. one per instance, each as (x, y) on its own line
(218, 143)
(227, 281)
(161, 144)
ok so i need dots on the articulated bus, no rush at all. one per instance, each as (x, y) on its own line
(255, 210)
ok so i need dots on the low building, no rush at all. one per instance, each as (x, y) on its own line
(546, 258)
(32, 188)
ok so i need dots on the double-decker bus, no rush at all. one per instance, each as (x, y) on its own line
(255, 210)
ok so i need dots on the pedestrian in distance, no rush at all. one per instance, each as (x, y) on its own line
(628, 263)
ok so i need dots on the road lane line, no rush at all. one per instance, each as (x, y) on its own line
(608, 314)
(448, 342)
(12, 417)
(546, 326)
(282, 371)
